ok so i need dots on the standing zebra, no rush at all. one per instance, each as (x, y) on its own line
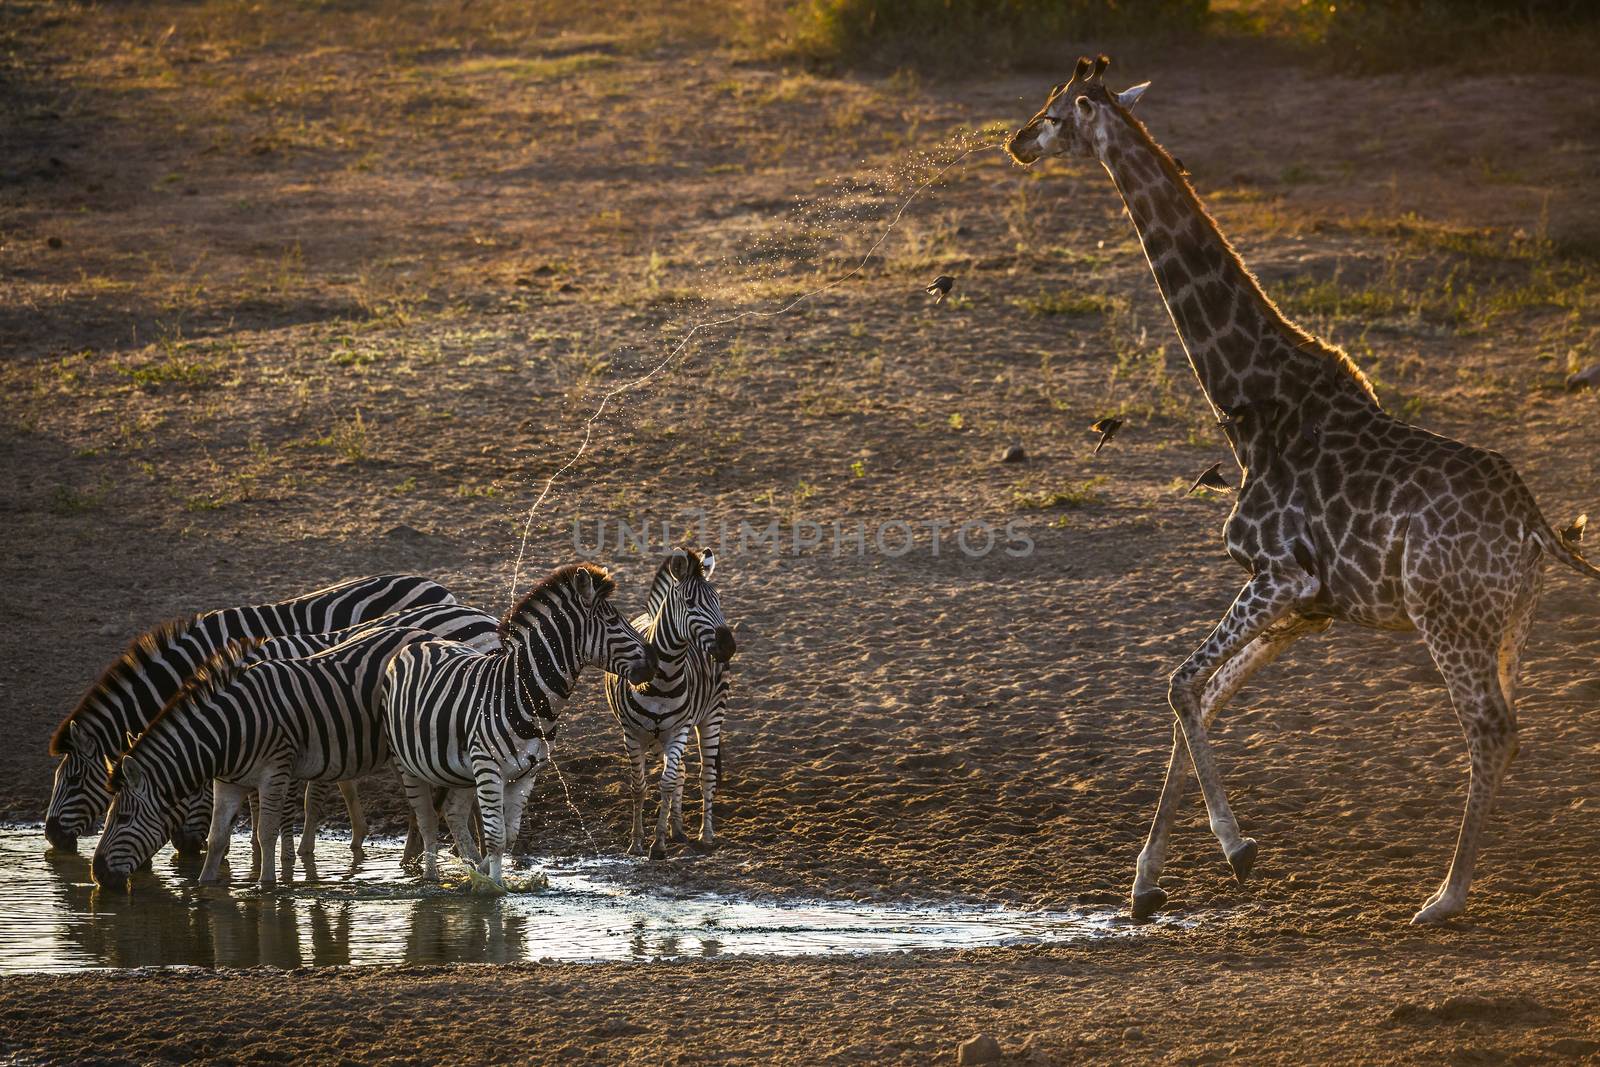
(130, 692)
(460, 719)
(252, 727)
(693, 644)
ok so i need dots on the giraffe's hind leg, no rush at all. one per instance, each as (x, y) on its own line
(1148, 896)
(1479, 668)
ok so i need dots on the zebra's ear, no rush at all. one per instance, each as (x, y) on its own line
(587, 593)
(678, 565)
(708, 562)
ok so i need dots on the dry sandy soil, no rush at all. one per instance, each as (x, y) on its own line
(288, 302)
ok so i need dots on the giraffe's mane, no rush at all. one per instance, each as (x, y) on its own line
(220, 668)
(140, 651)
(1294, 333)
(604, 585)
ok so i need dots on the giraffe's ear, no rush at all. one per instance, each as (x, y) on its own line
(1128, 97)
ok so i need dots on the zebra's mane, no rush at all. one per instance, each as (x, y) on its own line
(220, 668)
(138, 655)
(604, 585)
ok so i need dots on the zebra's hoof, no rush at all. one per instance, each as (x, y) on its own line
(658, 851)
(703, 844)
(1242, 859)
(678, 837)
(1147, 903)
(636, 848)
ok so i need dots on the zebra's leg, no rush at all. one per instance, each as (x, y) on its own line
(255, 836)
(315, 798)
(516, 803)
(638, 760)
(671, 782)
(708, 738)
(274, 793)
(457, 808)
(419, 795)
(491, 789)
(225, 803)
(358, 818)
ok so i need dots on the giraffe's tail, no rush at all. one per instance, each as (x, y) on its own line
(1558, 547)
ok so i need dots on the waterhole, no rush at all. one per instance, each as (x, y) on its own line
(52, 918)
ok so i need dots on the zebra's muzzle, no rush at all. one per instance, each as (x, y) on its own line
(645, 669)
(105, 877)
(58, 837)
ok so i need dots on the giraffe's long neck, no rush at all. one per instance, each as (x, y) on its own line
(1241, 348)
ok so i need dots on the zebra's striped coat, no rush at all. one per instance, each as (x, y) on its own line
(138, 684)
(255, 727)
(693, 644)
(458, 719)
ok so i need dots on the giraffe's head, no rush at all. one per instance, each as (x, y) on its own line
(1074, 119)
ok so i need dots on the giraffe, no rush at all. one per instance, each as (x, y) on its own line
(1346, 513)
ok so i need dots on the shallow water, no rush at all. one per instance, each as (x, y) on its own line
(52, 918)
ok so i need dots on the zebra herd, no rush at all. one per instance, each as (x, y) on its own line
(202, 715)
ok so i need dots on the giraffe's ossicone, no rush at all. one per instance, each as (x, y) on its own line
(1346, 513)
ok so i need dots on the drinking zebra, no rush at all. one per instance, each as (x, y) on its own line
(454, 622)
(130, 691)
(693, 645)
(251, 727)
(460, 719)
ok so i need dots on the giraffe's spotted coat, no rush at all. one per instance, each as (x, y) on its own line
(1346, 513)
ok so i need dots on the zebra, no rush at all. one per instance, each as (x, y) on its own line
(460, 719)
(456, 622)
(136, 685)
(693, 644)
(251, 727)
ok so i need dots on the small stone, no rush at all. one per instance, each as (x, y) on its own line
(1132, 1034)
(405, 533)
(1584, 379)
(1013, 453)
(53, 241)
(979, 1049)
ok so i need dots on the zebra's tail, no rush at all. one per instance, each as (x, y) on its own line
(1559, 547)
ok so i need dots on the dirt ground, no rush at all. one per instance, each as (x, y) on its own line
(283, 304)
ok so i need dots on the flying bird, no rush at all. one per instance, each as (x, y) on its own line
(1212, 479)
(940, 288)
(1573, 534)
(1107, 429)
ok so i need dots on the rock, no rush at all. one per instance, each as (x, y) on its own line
(1013, 453)
(1584, 379)
(405, 533)
(979, 1049)
(53, 241)
(1132, 1034)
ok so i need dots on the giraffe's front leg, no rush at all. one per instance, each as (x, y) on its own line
(1148, 896)
(1265, 598)
(671, 782)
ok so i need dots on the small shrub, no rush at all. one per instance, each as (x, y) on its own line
(1072, 495)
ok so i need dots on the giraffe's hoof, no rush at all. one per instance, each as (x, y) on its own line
(1437, 911)
(1242, 859)
(1149, 902)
